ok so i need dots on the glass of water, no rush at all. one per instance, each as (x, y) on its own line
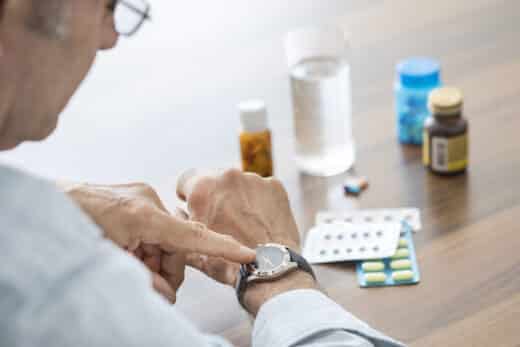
(322, 100)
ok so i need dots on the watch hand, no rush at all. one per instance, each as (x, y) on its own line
(268, 261)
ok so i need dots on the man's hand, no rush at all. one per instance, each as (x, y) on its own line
(253, 210)
(134, 218)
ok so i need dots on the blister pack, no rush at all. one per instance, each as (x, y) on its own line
(412, 216)
(399, 269)
(339, 241)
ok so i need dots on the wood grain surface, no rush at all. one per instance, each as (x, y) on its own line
(469, 248)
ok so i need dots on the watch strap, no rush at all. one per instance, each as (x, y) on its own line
(241, 285)
(302, 263)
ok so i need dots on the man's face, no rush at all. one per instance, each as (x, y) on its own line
(46, 49)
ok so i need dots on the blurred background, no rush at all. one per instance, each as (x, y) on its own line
(183, 73)
(186, 70)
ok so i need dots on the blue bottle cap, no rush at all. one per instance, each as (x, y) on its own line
(419, 72)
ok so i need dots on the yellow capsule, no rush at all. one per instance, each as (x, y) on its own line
(373, 266)
(375, 277)
(401, 253)
(400, 276)
(401, 264)
(403, 242)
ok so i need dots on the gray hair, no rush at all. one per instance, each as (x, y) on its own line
(47, 18)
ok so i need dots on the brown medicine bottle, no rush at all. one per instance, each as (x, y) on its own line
(255, 138)
(445, 137)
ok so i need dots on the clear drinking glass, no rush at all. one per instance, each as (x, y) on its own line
(322, 100)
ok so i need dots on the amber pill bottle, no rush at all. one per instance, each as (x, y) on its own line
(255, 138)
(445, 136)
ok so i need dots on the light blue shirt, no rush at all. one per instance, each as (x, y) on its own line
(63, 284)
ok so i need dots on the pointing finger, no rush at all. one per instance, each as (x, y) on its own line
(174, 234)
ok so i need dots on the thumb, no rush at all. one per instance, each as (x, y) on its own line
(174, 234)
(219, 269)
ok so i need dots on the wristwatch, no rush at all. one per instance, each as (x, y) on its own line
(272, 262)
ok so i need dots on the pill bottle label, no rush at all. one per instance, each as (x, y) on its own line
(426, 148)
(449, 154)
(256, 153)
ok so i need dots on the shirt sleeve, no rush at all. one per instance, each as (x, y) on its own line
(309, 318)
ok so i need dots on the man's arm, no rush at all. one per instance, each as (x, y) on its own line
(290, 311)
(307, 317)
(64, 285)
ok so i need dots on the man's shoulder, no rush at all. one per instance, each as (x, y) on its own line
(17, 186)
(33, 204)
(42, 233)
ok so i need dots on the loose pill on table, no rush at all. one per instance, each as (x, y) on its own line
(355, 185)
(403, 242)
(373, 266)
(375, 277)
(401, 253)
(401, 264)
(400, 276)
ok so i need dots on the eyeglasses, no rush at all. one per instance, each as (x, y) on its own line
(129, 15)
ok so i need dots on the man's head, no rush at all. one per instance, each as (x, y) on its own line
(46, 49)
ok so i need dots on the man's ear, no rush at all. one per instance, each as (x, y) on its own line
(109, 36)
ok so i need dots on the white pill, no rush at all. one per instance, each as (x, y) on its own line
(400, 276)
(373, 266)
(401, 264)
(375, 277)
(401, 253)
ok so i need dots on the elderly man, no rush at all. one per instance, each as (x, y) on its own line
(80, 269)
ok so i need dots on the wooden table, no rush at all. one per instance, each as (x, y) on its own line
(469, 248)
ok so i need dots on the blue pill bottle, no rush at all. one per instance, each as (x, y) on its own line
(416, 78)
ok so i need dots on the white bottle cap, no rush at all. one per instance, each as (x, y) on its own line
(253, 116)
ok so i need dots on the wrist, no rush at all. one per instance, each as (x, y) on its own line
(259, 293)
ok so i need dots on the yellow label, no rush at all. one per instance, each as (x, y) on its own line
(449, 154)
(426, 148)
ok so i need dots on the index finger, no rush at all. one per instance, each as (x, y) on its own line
(174, 234)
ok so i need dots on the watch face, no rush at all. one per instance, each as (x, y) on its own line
(268, 258)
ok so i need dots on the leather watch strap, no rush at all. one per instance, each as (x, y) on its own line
(302, 263)
(241, 285)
